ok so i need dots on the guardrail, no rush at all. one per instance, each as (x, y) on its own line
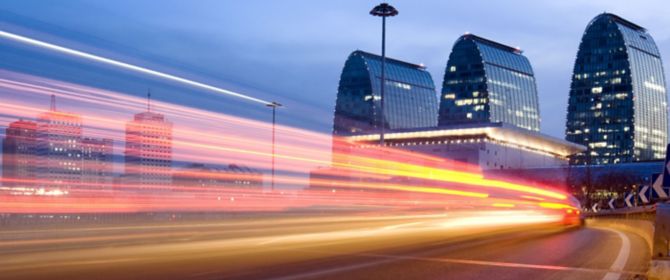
(652, 222)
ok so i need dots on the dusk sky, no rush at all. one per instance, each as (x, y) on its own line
(293, 51)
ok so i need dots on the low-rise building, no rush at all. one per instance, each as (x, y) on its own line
(490, 146)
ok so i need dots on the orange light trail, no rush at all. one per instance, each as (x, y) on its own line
(384, 176)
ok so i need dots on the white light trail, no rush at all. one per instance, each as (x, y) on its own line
(85, 55)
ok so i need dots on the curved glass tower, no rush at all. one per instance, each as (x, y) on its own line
(411, 101)
(618, 103)
(485, 82)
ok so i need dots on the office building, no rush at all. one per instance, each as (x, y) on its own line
(59, 157)
(488, 82)
(19, 158)
(618, 104)
(411, 101)
(97, 165)
(148, 153)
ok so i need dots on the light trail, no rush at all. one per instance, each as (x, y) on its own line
(128, 66)
(384, 177)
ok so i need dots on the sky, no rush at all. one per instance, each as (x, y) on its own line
(293, 51)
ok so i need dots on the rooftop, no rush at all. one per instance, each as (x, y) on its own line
(623, 21)
(491, 43)
(496, 131)
(392, 60)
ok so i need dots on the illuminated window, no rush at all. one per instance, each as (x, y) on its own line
(452, 69)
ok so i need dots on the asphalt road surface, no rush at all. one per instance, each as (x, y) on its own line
(358, 247)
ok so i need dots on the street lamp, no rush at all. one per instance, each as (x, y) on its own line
(274, 106)
(383, 10)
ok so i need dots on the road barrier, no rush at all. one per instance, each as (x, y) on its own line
(652, 223)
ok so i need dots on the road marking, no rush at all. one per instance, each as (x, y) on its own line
(616, 268)
(621, 259)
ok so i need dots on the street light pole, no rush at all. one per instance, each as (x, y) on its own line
(383, 10)
(274, 106)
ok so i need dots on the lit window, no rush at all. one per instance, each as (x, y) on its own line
(452, 69)
(597, 90)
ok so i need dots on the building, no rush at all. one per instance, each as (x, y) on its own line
(497, 150)
(19, 155)
(488, 82)
(618, 103)
(203, 178)
(59, 156)
(148, 153)
(411, 101)
(51, 157)
(98, 163)
(490, 146)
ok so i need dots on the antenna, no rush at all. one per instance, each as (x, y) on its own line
(53, 103)
(149, 100)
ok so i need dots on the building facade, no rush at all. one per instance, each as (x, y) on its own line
(148, 153)
(492, 146)
(59, 156)
(98, 163)
(618, 103)
(19, 155)
(411, 101)
(488, 82)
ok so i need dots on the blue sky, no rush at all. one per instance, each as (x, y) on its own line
(293, 51)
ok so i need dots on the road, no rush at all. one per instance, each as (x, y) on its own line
(473, 245)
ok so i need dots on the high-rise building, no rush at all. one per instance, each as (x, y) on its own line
(618, 103)
(411, 101)
(148, 155)
(19, 154)
(488, 82)
(59, 157)
(97, 166)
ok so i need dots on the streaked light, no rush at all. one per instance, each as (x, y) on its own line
(127, 66)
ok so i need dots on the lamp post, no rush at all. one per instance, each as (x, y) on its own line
(274, 106)
(383, 10)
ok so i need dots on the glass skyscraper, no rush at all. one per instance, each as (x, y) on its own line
(411, 101)
(485, 82)
(618, 103)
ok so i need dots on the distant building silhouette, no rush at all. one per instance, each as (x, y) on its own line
(200, 177)
(19, 155)
(488, 82)
(51, 157)
(98, 164)
(618, 100)
(59, 157)
(148, 153)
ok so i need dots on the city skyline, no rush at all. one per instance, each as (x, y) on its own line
(176, 139)
(551, 52)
